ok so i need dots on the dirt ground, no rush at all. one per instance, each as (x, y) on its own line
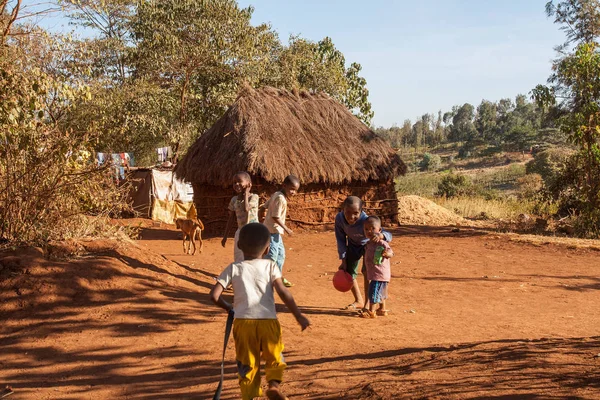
(474, 316)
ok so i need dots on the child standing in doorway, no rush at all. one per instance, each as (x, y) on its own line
(243, 207)
(377, 261)
(351, 241)
(276, 208)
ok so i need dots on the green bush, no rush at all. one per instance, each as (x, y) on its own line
(550, 165)
(430, 162)
(453, 185)
(465, 152)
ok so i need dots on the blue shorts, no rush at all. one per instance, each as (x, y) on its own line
(277, 250)
(377, 291)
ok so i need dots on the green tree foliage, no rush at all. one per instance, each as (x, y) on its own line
(579, 19)
(550, 164)
(185, 62)
(574, 89)
(321, 67)
(430, 162)
(454, 185)
(462, 128)
(47, 182)
(506, 124)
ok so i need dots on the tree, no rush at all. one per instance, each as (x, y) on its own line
(485, 122)
(322, 67)
(574, 87)
(201, 52)
(579, 19)
(462, 123)
(106, 54)
(47, 182)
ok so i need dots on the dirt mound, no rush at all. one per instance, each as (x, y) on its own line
(415, 210)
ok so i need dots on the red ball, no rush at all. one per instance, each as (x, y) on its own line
(342, 280)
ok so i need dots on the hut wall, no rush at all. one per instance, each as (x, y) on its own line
(314, 207)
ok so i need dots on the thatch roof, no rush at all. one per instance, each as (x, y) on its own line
(272, 133)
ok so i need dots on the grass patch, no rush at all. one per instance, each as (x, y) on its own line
(475, 207)
(420, 184)
(505, 179)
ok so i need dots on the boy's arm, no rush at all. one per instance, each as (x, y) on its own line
(340, 238)
(277, 220)
(227, 227)
(386, 235)
(262, 211)
(286, 296)
(247, 198)
(388, 252)
(215, 296)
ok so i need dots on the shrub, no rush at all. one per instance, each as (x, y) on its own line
(530, 185)
(550, 165)
(48, 184)
(453, 185)
(464, 152)
(430, 162)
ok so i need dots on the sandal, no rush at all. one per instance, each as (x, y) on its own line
(351, 307)
(368, 314)
(382, 313)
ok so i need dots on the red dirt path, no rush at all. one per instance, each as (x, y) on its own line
(491, 318)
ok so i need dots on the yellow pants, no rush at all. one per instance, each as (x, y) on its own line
(253, 337)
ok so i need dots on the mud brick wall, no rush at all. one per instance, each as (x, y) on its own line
(314, 207)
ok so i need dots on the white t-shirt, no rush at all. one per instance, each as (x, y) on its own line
(276, 207)
(252, 282)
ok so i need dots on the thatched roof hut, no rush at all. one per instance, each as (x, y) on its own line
(271, 133)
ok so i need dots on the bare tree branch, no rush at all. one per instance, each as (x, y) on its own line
(3, 4)
(13, 17)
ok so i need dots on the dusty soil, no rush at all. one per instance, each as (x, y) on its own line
(416, 210)
(474, 315)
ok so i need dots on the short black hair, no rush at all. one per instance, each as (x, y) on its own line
(373, 219)
(243, 174)
(291, 180)
(351, 201)
(254, 237)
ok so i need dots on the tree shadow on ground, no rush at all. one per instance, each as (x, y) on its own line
(512, 368)
(439, 231)
(93, 308)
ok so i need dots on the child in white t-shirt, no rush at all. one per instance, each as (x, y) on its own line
(256, 330)
(276, 208)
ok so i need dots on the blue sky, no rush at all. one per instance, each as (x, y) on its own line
(423, 56)
(427, 55)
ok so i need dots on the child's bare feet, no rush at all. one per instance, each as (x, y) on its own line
(382, 313)
(274, 393)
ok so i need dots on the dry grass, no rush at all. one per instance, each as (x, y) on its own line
(569, 242)
(475, 207)
(271, 133)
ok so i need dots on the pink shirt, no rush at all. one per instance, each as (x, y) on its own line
(381, 272)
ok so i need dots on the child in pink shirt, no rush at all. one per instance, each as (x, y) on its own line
(377, 261)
